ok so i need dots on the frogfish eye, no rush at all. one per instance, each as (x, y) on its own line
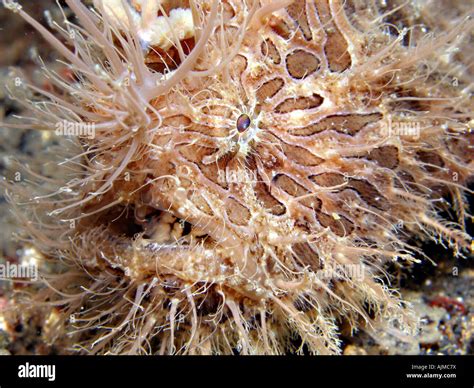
(243, 122)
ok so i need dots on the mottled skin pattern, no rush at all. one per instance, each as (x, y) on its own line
(224, 232)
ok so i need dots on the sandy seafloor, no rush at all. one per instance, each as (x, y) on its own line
(444, 302)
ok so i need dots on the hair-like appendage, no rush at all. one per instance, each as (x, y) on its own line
(253, 168)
